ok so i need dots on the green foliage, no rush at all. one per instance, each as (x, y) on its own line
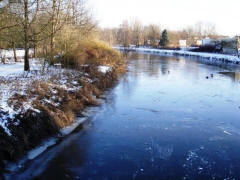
(164, 40)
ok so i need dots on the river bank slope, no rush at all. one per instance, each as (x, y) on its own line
(36, 105)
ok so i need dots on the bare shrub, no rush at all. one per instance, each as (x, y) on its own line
(91, 52)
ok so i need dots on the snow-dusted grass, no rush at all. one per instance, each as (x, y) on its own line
(13, 80)
(212, 57)
(20, 90)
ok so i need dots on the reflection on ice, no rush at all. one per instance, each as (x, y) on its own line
(235, 76)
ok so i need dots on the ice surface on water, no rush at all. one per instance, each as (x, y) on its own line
(216, 138)
(197, 164)
(69, 129)
(229, 129)
(164, 152)
(40, 149)
(158, 151)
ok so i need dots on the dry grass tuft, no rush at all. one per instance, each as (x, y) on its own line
(92, 52)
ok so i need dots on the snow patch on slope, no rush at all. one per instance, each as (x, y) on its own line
(104, 69)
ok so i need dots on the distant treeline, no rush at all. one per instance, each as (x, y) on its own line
(135, 33)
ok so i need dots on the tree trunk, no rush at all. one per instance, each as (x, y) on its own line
(34, 49)
(52, 38)
(14, 52)
(26, 37)
(52, 50)
(26, 59)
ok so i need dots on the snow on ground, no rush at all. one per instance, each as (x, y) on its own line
(9, 53)
(104, 69)
(16, 69)
(13, 80)
(9, 74)
(208, 56)
(8, 69)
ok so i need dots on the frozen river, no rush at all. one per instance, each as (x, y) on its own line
(167, 118)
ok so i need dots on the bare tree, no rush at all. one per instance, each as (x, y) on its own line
(205, 29)
(27, 10)
(154, 34)
(210, 30)
(81, 17)
(124, 34)
(71, 13)
(59, 14)
(108, 35)
(79, 26)
(137, 33)
(12, 34)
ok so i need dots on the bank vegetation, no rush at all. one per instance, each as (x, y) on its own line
(66, 68)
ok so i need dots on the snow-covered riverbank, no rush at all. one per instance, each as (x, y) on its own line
(45, 102)
(14, 81)
(211, 57)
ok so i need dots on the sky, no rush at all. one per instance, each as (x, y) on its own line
(171, 14)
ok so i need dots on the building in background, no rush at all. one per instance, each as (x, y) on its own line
(199, 42)
(182, 43)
